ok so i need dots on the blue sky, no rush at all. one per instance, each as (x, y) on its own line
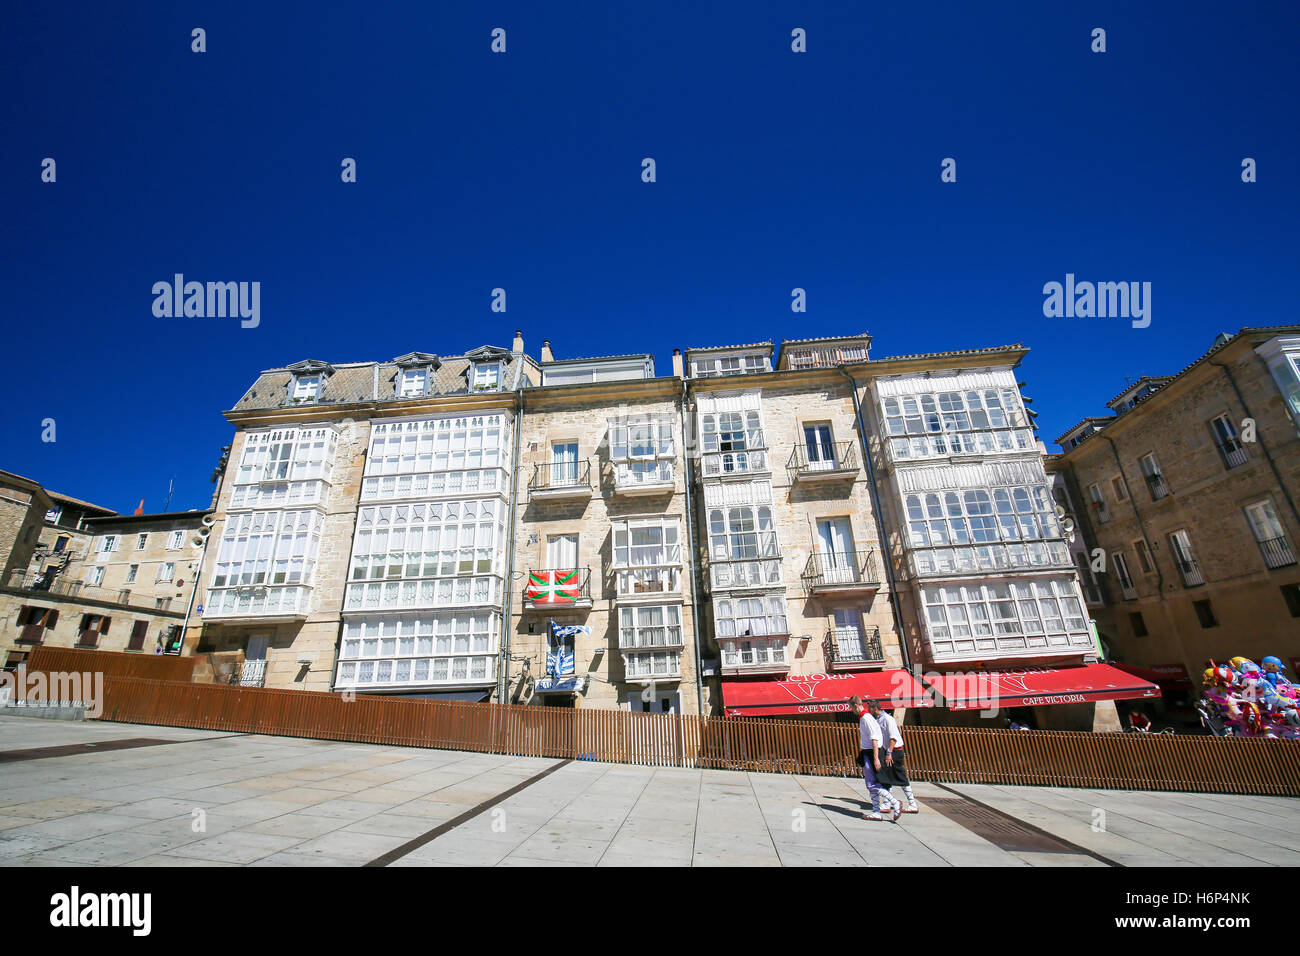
(775, 170)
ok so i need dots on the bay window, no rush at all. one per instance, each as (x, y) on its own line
(971, 421)
(424, 648)
(732, 443)
(647, 555)
(642, 450)
(1005, 615)
(442, 456)
(650, 626)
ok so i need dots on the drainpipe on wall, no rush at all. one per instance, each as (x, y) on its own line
(880, 520)
(690, 549)
(1260, 441)
(503, 665)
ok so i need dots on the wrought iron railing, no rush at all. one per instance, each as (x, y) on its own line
(1158, 487)
(840, 456)
(557, 587)
(1233, 452)
(1277, 552)
(839, 568)
(1190, 570)
(851, 645)
(561, 476)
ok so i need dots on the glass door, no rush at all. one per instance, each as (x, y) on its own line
(820, 448)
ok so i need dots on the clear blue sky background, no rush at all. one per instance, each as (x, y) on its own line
(522, 170)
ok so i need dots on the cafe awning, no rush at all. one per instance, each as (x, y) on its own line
(820, 693)
(1173, 676)
(1038, 686)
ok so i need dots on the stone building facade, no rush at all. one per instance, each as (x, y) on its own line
(1190, 495)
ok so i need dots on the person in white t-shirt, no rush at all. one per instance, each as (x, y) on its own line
(893, 774)
(871, 741)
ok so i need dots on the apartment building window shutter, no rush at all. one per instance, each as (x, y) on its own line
(24, 615)
(52, 618)
(139, 631)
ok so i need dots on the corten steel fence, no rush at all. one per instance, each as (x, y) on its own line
(110, 663)
(951, 755)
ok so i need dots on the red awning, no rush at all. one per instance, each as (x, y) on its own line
(1174, 675)
(1037, 686)
(820, 693)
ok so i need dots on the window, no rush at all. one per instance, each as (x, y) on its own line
(1038, 608)
(1269, 535)
(95, 577)
(759, 616)
(1121, 574)
(174, 540)
(732, 442)
(1291, 595)
(1117, 486)
(1205, 614)
(984, 529)
(305, 387)
(642, 450)
(139, 631)
(61, 543)
(457, 541)
(1231, 450)
(1098, 503)
(1155, 480)
(413, 382)
(53, 515)
(956, 423)
(93, 627)
(1144, 557)
(742, 533)
(165, 571)
(108, 543)
(267, 547)
(652, 626)
(819, 445)
(141, 540)
(131, 573)
(423, 647)
(1180, 546)
(647, 555)
(35, 621)
(1138, 624)
(487, 376)
(564, 464)
(712, 366)
(436, 456)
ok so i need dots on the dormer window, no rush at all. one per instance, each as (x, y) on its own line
(487, 376)
(414, 382)
(305, 388)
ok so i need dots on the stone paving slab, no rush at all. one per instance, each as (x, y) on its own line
(215, 799)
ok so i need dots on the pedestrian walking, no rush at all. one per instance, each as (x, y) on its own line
(894, 773)
(871, 743)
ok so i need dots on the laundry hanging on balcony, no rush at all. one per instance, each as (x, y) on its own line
(553, 587)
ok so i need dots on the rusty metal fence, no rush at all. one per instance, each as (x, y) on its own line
(110, 663)
(1054, 758)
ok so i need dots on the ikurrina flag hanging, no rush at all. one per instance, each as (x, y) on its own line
(553, 587)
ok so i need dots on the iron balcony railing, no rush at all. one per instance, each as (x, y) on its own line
(1190, 570)
(1233, 453)
(840, 568)
(249, 673)
(557, 588)
(1103, 514)
(1158, 487)
(1277, 552)
(851, 645)
(561, 476)
(840, 456)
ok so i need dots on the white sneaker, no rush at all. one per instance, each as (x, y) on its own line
(912, 808)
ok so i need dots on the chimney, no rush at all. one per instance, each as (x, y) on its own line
(678, 366)
(547, 355)
(518, 346)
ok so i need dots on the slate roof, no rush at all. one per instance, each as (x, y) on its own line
(355, 382)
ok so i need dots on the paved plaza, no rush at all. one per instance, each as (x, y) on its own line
(103, 794)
